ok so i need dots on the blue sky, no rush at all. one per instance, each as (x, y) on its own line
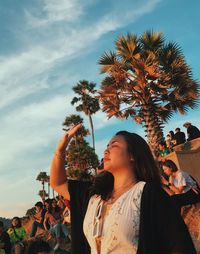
(46, 47)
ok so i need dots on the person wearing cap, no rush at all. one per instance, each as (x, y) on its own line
(192, 131)
(5, 245)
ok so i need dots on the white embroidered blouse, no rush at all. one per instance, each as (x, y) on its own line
(120, 228)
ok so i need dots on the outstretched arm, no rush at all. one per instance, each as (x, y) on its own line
(58, 178)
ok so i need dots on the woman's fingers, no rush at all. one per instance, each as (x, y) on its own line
(72, 131)
(68, 135)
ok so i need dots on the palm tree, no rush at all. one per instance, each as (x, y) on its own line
(42, 194)
(42, 177)
(147, 79)
(87, 101)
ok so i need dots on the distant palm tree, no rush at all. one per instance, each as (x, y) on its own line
(147, 80)
(42, 177)
(87, 101)
(42, 194)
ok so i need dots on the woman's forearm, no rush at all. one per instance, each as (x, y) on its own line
(57, 172)
(175, 189)
(58, 177)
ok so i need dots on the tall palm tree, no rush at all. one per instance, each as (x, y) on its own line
(88, 103)
(147, 79)
(42, 177)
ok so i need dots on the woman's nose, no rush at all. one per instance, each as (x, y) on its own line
(106, 151)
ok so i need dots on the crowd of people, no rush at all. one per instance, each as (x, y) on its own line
(51, 215)
(178, 137)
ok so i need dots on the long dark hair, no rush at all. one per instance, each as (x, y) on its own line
(19, 224)
(144, 166)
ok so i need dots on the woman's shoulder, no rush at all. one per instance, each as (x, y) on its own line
(153, 189)
(95, 198)
(20, 229)
(137, 189)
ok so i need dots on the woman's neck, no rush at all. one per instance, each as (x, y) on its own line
(122, 180)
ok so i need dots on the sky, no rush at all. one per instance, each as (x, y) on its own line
(46, 47)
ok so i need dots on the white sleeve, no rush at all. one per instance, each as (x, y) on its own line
(180, 180)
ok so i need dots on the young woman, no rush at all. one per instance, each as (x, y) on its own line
(126, 210)
(17, 234)
(182, 188)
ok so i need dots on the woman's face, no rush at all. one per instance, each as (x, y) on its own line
(47, 205)
(15, 222)
(116, 155)
(54, 203)
(167, 170)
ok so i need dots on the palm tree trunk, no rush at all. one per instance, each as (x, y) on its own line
(92, 129)
(153, 130)
(43, 187)
(48, 190)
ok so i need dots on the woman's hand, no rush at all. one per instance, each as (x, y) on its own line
(62, 145)
(163, 180)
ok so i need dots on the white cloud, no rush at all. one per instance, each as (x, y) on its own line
(53, 11)
(26, 72)
(31, 127)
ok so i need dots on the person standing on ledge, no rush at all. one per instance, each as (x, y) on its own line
(125, 210)
(192, 131)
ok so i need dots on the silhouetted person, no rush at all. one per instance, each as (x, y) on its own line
(179, 137)
(192, 131)
(5, 244)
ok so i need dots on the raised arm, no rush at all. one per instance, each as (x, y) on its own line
(58, 178)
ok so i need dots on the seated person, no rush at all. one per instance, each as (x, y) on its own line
(39, 246)
(181, 186)
(179, 137)
(38, 218)
(53, 217)
(61, 202)
(17, 234)
(163, 151)
(5, 245)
